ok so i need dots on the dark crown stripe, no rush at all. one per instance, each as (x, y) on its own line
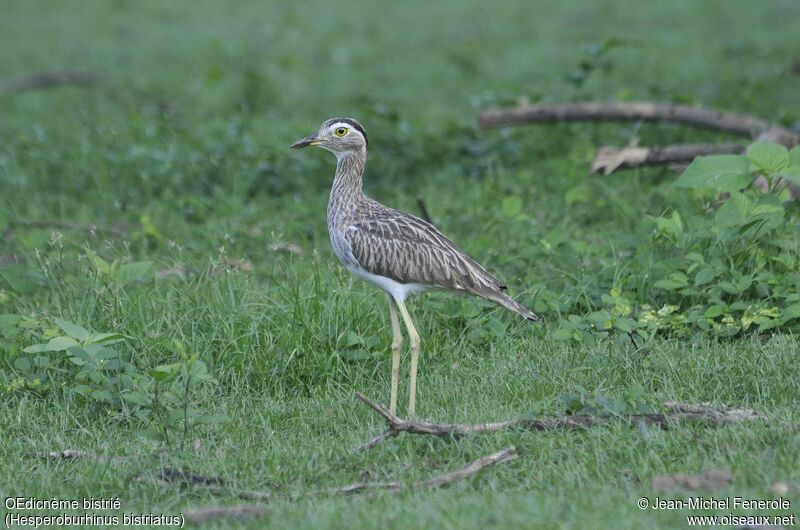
(357, 126)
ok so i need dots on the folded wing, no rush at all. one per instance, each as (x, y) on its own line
(409, 250)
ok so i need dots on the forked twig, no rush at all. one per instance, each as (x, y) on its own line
(679, 413)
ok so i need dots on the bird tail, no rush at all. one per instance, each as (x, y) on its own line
(509, 303)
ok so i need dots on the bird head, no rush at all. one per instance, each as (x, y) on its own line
(337, 135)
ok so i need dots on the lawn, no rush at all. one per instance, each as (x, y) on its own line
(170, 253)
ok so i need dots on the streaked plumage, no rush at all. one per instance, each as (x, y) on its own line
(398, 252)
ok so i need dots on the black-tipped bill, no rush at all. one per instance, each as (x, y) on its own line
(305, 142)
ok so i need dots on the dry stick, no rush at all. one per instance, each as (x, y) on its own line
(609, 159)
(470, 469)
(392, 486)
(388, 433)
(681, 412)
(740, 124)
(423, 208)
(505, 455)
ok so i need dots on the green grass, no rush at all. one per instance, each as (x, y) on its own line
(209, 187)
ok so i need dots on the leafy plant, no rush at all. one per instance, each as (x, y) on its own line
(581, 401)
(733, 268)
(169, 402)
(98, 369)
(83, 363)
(729, 173)
(739, 267)
(118, 273)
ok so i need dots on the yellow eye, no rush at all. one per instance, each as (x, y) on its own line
(341, 131)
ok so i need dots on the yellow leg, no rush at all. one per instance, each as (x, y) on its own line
(397, 344)
(413, 338)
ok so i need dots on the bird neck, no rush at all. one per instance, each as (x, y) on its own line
(347, 183)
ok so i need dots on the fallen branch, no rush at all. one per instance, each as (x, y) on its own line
(470, 469)
(43, 80)
(67, 225)
(609, 159)
(680, 413)
(198, 515)
(75, 78)
(739, 124)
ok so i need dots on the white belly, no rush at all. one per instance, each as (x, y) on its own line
(398, 291)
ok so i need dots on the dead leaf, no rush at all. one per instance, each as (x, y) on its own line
(780, 488)
(708, 480)
(287, 248)
(177, 271)
(240, 265)
(64, 454)
(609, 159)
(74, 454)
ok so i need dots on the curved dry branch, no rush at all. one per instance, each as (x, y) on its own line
(734, 123)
